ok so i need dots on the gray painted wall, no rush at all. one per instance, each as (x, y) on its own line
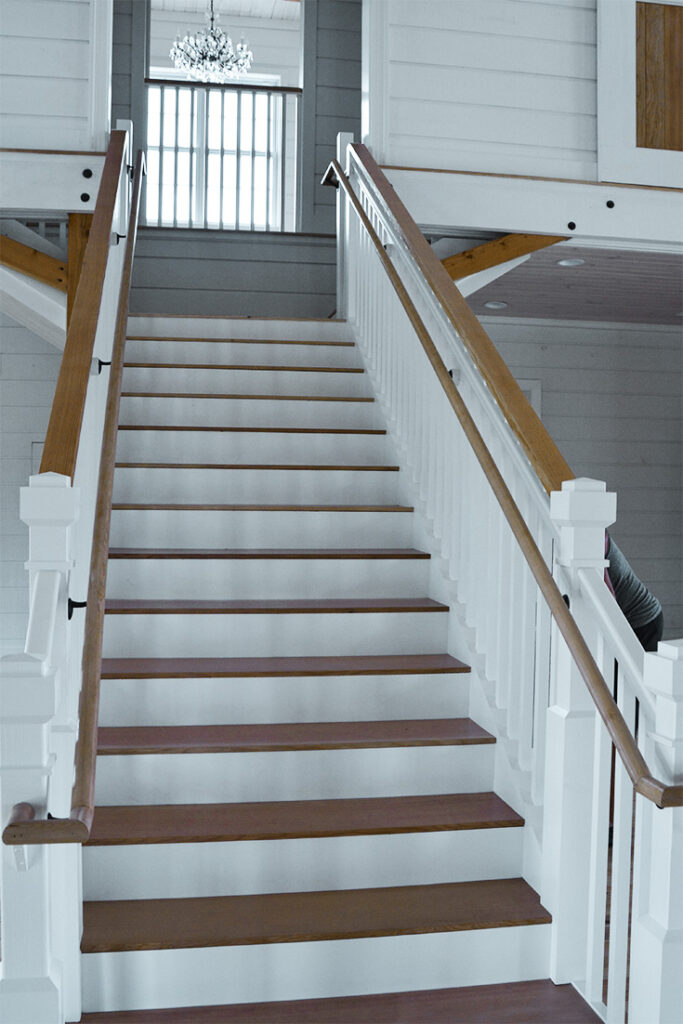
(28, 374)
(234, 273)
(612, 400)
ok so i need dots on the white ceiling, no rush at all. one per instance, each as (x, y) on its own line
(285, 10)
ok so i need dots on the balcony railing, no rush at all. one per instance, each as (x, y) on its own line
(221, 156)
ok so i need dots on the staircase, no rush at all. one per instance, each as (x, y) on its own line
(295, 817)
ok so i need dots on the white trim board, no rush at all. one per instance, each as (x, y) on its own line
(447, 200)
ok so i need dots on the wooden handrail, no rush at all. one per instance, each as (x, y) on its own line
(546, 459)
(294, 90)
(633, 761)
(22, 827)
(64, 428)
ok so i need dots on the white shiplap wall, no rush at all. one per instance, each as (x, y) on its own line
(48, 93)
(28, 374)
(276, 43)
(612, 400)
(503, 86)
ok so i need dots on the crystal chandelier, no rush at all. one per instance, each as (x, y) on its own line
(209, 55)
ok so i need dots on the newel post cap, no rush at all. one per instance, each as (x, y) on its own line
(583, 502)
(582, 511)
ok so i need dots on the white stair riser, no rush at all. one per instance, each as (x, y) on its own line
(274, 578)
(271, 699)
(219, 353)
(293, 775)
(307, 970)
(245, 382)
(239, 327)
(259, 529)
(253, 447)
(248, 412)
(247, 486)
(273, 635)
(299, 865)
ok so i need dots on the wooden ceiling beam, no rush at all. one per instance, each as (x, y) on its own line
(492, 254)
(33, 263)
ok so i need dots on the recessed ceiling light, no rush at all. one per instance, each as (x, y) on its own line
(570, 263)
(496, 305)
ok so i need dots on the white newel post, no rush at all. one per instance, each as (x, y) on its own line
(344, 140)
(582, 511)
(656, 979)
(40, 907)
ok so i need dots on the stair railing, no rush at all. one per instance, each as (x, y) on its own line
(48, 719)
(519, 540)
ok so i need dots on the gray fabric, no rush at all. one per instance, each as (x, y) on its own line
(635, 600)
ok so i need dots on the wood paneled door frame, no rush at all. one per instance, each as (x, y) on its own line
(620, 159)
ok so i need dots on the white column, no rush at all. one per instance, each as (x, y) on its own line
(40, 909)
(344, 140)
(582, 511)
(30, 989)
(656, 988)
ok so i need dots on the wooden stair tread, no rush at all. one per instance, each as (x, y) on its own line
(251, 398)
(271, 553)
(246, 366)
(531, 1002)
(259, 507)
(241, 341)
(322, 467)
(118, 925)
(296, 819)
(338, 665)
(194, 739)
(294, 606)
(254, 430)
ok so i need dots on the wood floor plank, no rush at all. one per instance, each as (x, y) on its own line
(298, 466)
(521, 1002)
(294, 606)
(335, 554)
(246, 366)
(253, 430)
(252, 668)
(194, 739)
(182, 506)
(110, 926)
(296, 819)
(251, 398)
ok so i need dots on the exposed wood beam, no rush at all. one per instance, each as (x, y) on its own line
(79, 229)
(33, 263)
(492, 254)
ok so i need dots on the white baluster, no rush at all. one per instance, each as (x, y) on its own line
(656, 968)
(582, 511)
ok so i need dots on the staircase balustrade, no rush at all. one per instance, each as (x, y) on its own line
(506, 517)
(48, 717)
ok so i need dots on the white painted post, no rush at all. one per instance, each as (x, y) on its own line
(30, 988)
(656, 969)
(582, 511)
(344, 139)
(41, 907)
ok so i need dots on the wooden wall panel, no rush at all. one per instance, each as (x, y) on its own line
(659, 76)
(612, 402)
(44, 74)
(233, 273)
(490, 85)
